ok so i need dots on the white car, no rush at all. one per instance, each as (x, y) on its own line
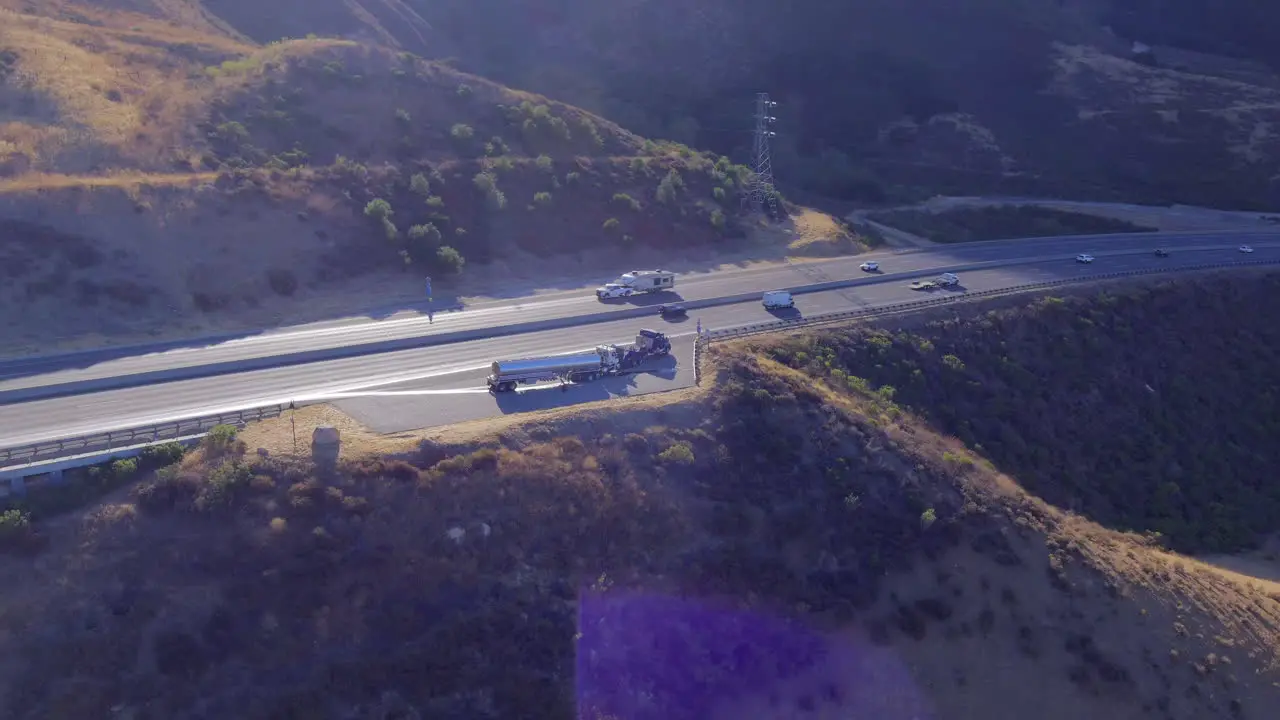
(1084, 259)
(612, 291)
(870, 266)
(1246, 249)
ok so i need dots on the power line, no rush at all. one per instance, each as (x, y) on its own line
(761, 194)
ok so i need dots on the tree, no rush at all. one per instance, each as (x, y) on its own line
(449, 260)
(378, 210)
(419, 185)
(670, 187)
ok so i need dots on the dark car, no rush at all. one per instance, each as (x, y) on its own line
(671, 310)
(1161, 252)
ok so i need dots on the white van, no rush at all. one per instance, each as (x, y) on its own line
(777, 299)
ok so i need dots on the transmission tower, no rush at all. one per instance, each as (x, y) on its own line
(760, 194)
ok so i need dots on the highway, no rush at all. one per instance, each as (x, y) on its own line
(487, 319)
(442, 366)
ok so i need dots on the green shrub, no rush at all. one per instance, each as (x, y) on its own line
(681, 453)
(717, 219)
(435, 202)
(572, 178)
(403, 118)
(220, 439)
(611, 224)
(15, 527)
(461, 132)
(670, 187)
(418, 185)
(464, 90)
(157, 456)
(426, 233)
(124, 468)
(626, 201)
(543, 199)
(378, 210)
(718, 193)
(224, 484)
(544, 163)
(449, 259)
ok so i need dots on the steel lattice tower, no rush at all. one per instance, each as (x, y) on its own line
(760, 194)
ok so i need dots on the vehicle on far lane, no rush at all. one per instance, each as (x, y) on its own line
(1246, 249)
(1161, 252)
(777, 300)
(1084, 258)
(870, 266)
(672, 310)
(923, 285)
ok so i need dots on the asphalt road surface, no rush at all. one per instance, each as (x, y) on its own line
(459, 397)
(443, 366)
(23, 373)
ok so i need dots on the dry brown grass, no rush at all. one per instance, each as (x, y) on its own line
(106, 94)
(1085, 623)
(810, 233)
(32, 182)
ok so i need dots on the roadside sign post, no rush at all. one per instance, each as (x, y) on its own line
(430, 311)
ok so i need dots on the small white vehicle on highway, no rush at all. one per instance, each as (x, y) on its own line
(777, 300)
(923, 285)
(1246, 249)
(611, 291)
(1083, 258)
(870, 266)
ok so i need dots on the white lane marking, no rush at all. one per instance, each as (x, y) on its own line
(405, 393)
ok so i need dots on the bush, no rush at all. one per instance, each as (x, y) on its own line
(163, 455)
(124, 468)
(572, 178)
(718, 193)
(670, 187)
(171, 489)
(542, 198)
(487, 183)
(461, 132)
(220, 439)
(611, 224)
(449, 260)
(418, 185)
(464, 90)
(223, 485)
(378, 210)
(426, 233)
(680, 453)
(627, 201)
(403, 118)
(717, 219)
(15, 528)
(544, 163)
(435, 202)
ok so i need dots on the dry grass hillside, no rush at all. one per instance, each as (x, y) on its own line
(790, 542)
(161, 174)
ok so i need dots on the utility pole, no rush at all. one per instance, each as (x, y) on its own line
(760, 194)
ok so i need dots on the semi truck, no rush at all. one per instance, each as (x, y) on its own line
(603, 361)
(637, 281)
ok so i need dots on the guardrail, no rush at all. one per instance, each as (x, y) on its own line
(165, 431)
(158, 433)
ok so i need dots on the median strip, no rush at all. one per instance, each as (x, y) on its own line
(265, 362)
